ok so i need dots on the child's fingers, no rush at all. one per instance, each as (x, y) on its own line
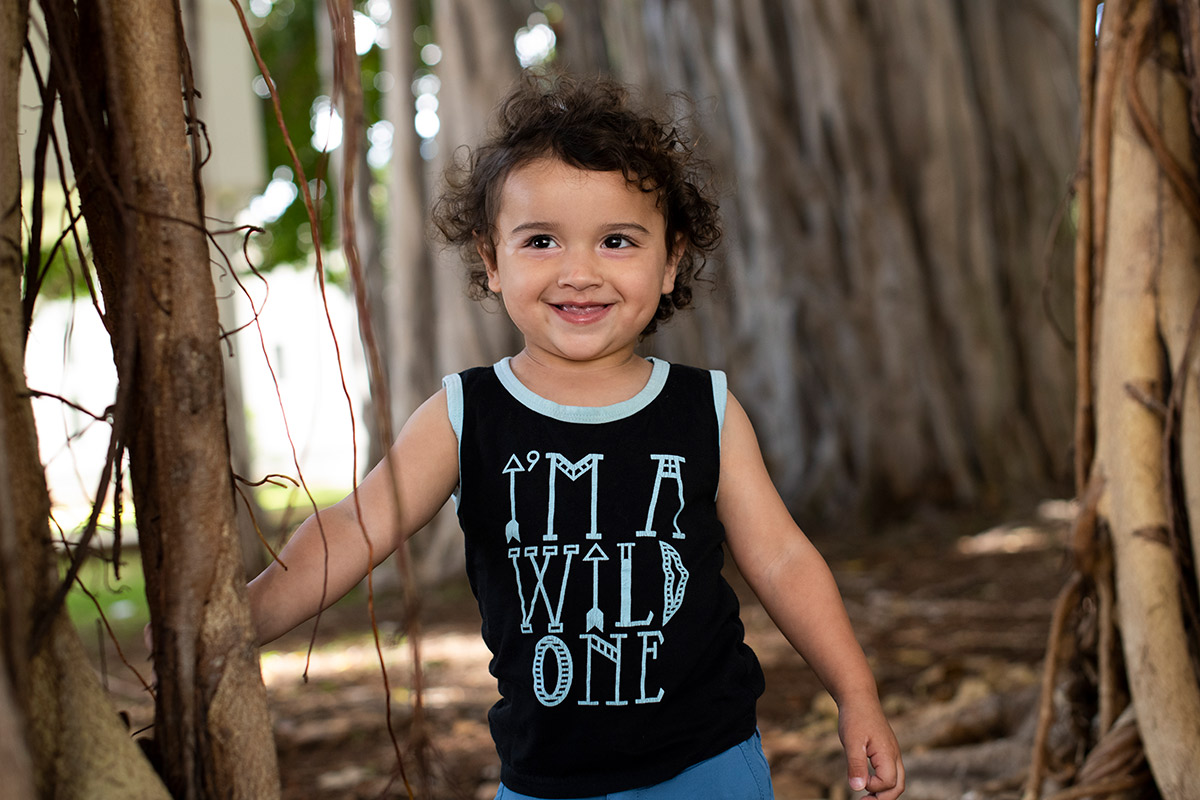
(858, 769)
(872, 755)
(887, 783)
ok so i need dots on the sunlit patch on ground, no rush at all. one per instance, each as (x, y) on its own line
(348, 661)
(1041, 534)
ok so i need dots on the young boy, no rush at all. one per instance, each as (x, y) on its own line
(597, 489)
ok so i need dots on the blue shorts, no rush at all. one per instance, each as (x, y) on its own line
(740, 773)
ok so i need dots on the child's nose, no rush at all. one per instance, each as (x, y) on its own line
(580, 271)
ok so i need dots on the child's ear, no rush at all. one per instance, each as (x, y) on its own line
(673, 264)
(487, 252)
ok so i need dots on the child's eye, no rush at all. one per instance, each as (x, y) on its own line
(540, 242)
(617, 241)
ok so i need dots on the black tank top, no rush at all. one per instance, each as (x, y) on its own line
(595, 553)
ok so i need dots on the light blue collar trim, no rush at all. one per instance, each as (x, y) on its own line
(588, 415)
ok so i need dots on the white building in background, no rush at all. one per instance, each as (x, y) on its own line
(292, 347)
(69, 355)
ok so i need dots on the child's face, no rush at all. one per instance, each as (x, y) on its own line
(581, 260)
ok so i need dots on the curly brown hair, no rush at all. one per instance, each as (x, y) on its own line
(591, 124)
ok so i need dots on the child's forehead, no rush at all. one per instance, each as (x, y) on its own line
(548, 177)
(551, 167)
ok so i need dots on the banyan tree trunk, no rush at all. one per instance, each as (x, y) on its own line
(896, 280)
(1125, 652)
(477, 68)
(59, 735)
(125, 76)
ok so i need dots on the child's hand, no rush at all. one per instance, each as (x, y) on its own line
(872, 752)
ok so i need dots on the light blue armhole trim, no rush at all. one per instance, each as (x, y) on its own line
(720, 398)
(587, 415)
(720, 385)
(454, 410)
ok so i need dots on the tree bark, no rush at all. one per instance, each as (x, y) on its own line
(408, 289)
(20, 508)
(212, 719)
(1149, 255)
(84, 749)
(59, 735)
(144, 211)
(14, 753)
(478, 67)
(894, 175)
(233, 174)
(1139, 303)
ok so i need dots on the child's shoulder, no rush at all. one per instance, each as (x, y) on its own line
(692, 369)
(455, 381)
(477, 369)
(693, 375)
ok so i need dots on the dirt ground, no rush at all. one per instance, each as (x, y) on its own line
(953, 616)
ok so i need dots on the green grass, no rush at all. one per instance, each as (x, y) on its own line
(123, 600)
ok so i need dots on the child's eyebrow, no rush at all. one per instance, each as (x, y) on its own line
(531, 226)
(625, 226)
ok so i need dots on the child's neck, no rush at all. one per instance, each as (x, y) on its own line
(582, 383)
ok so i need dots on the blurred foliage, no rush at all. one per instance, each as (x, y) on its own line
(288, 39)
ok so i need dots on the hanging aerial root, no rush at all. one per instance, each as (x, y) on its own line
(1101, 790)
(1181, 484)
(1068, 600)
(1084, 252)
(1110, 678)
(1183, 184)
(1118, 754)
(1115, 767)
(1092, 555)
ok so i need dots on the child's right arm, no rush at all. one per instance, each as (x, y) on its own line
(798, 590)
(328, 554)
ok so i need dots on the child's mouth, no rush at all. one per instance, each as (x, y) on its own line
(585, 312)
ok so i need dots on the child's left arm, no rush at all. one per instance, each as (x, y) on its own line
(795, 586)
